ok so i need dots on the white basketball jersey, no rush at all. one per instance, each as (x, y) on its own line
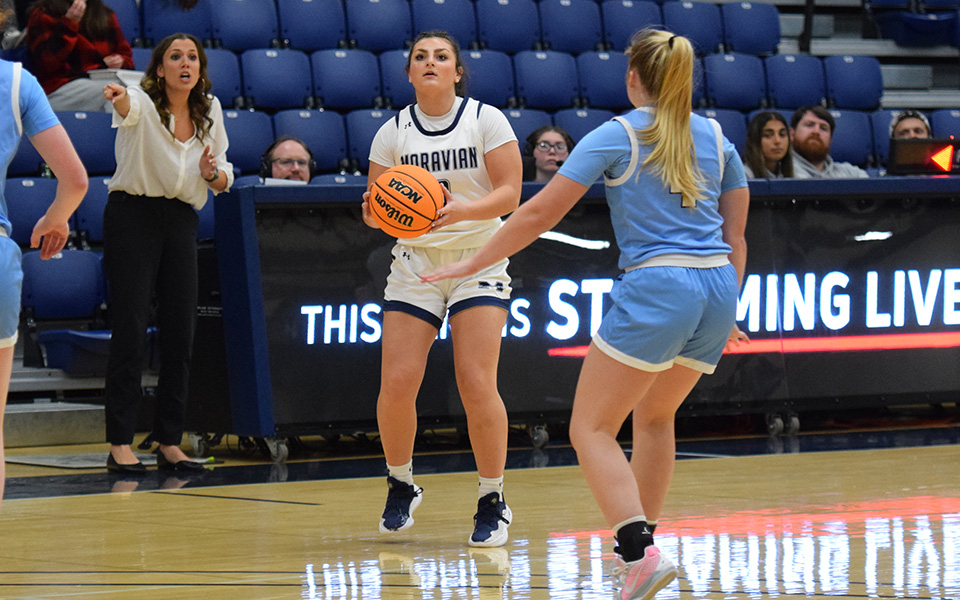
(452, 148)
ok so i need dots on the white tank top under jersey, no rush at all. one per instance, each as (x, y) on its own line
(451, 147)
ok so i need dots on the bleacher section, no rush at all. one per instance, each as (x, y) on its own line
(551, 56)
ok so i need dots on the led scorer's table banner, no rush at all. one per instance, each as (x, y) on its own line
(851, 296)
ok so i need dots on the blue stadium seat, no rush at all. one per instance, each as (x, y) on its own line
(508, 25)
(490, 77)
(698, 97)
(322, 131)
(223, 68)
(732, 122)
(456, 17)
(141, 58)
(525, 121)
(912, 30)
(734, 81)
(546, 79)
(623, 18)
(578, 122)
(27, 200)
(93, 136)
(244, 24)
(274, 79)
(249, 132)
(698, 21)
(945, 122)
(27, 162)
(345, 78)
(59, 292)
(853, 82)
(852, 139)
(161, 18)
(362, 126)
(90, 212)
(378, 25)
(602, 80)
(751, 27)
(311, 25)
(571, 25)
(795, 80)
(397, 90)
(128, 15)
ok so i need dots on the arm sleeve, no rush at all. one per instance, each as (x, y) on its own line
(384, 143)
(733, 174)
(495, 128)
(35, 110)
(136, 106)
(220, 143)
(596, 153)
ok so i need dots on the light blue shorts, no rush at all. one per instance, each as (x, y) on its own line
(667, 315)
(11, 282)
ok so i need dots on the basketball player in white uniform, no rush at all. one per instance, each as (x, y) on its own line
(471, 149)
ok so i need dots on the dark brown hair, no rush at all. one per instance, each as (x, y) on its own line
(461, 86)
(199, 99)
(95, 23)
(754, 151)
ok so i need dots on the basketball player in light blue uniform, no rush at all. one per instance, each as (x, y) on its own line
(24, 110)
(678, 203)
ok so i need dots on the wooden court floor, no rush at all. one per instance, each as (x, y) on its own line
(881, 523)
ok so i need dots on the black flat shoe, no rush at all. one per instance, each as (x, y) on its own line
(183, 466)
(136, 468)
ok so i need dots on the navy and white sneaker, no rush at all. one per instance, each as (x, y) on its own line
(402, 500)
(491, 521)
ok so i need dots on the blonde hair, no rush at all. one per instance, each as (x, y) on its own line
(664, 63)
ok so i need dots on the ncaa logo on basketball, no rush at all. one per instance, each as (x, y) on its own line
(404, 190)
(393, 213)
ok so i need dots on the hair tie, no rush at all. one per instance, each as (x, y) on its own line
(670, 41)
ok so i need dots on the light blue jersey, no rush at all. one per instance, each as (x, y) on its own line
(648, 219)
(677, 301)
(23, 109)
(28, 112)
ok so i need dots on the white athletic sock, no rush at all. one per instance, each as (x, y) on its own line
(402, 473)
(491, 484)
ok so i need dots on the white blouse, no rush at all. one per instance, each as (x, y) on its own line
(152, 162)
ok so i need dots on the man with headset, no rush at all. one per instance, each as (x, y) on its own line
(287, 158)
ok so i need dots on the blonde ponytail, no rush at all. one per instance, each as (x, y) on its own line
(664, 63)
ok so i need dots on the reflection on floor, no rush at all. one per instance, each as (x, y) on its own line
(850, 514)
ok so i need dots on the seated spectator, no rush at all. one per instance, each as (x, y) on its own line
(66, 40)
(544, 152)
(811, 133)
(767, 154)
(287, 158)
(909, 124)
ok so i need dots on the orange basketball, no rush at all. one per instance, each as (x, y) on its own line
(404, 200)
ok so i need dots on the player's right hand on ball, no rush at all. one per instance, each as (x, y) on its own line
(367, 216)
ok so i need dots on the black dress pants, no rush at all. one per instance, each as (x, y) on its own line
(149, 253)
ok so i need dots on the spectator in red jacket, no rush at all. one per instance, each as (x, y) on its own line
(66, 40)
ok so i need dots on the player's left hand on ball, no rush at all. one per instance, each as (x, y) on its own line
(451, 271)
